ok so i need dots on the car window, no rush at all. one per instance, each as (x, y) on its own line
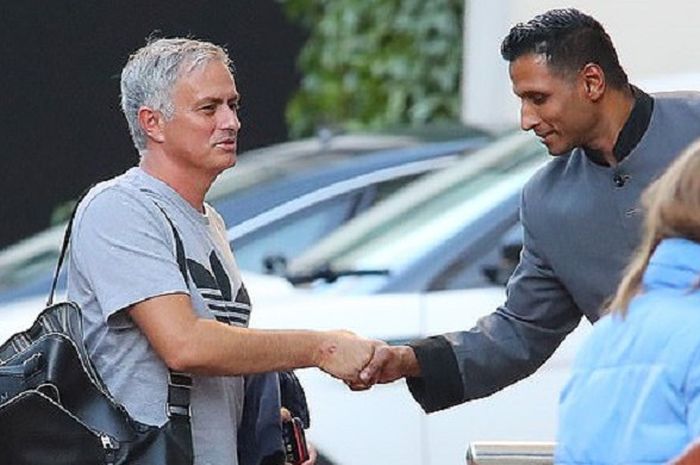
(291, 235)
(418, 229)
(414, 223)
(484, 266)
(385, 189)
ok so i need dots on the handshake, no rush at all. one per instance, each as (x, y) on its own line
(361, 362)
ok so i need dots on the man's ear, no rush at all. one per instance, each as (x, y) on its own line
(593, 79)
(151, 121)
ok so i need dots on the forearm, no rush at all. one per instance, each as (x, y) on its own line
(188, 343)
(461, 366)
(213, 348)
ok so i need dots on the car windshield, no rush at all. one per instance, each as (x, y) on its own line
(426, 213)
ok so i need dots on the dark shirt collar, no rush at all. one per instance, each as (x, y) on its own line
(633, 130)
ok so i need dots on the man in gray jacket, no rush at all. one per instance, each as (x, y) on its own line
(609, 140)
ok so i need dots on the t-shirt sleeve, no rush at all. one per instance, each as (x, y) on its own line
(125, 250)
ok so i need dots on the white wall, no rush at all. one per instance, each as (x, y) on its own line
(653, 38)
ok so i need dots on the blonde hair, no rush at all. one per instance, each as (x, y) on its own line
(672, 209)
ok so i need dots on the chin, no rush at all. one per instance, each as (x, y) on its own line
(230, 160)
(557, 150)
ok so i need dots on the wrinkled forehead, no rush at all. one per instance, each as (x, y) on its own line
(208, 80)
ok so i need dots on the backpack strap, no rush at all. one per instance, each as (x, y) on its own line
(64, 247)
(179, 384)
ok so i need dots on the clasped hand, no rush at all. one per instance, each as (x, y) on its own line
(362, 362)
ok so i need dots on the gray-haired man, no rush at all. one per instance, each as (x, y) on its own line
(142, 317)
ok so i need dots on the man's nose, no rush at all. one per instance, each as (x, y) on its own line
(229, 119)
(528, 117)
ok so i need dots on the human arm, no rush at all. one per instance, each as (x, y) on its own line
(124, 253)
(504, 347)
(691, 390)
(691, 455)
(196, 345)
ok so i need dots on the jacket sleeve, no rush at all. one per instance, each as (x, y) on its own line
(505, 346)
(691, 390)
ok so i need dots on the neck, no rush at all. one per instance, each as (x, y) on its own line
(615, 109)
(189, 184)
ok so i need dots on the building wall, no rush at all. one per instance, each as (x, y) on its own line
(657, 42)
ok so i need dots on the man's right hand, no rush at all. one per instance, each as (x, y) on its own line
(388, 364)
(343, 354)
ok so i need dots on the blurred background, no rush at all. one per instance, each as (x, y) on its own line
(302, 65)
(377, 185)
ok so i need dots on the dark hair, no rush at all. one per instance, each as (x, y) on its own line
(569, 40)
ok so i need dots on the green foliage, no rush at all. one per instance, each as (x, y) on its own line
(371, 64)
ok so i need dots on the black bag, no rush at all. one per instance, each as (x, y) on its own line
(55, 409)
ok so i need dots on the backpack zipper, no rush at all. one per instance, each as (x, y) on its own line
(110, 447)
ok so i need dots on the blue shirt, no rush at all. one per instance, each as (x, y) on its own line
(634, 394)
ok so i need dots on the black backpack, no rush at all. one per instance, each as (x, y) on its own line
(55, 409)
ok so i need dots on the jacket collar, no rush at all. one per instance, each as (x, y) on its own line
(632, 131)
(674, 264)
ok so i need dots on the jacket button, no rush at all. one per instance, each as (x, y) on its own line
(620, 179)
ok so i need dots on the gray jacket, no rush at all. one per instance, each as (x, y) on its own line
(581, 223)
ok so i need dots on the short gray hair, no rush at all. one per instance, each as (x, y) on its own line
(151, 72)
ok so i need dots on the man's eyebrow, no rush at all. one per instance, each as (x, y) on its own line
(236, 98)
(531, 93)
(208, 100)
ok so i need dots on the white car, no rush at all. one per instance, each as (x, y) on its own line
(410, 267)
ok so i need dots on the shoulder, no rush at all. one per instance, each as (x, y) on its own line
(680, 307)
(686, 97)
(669, 318)
(684, 102)
(115, 204)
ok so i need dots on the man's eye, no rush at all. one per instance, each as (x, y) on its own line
(208, 108)
(538, 99)
(234, 106)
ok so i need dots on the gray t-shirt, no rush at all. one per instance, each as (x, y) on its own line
(123, 252)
